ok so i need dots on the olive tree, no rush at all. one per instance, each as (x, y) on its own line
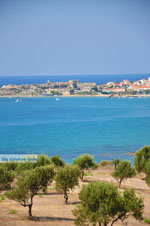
(28, 184)
(25, 166)
(116, 162)
(142, 157)
(123, 171)
(43, 160)
(102, 204)
(85, 162)
(6, 176)
(142, 162)
(57, 161)
(67, 178)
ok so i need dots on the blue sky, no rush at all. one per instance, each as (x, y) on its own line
(74, 37)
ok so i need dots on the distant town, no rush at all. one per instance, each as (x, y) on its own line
(75, 88)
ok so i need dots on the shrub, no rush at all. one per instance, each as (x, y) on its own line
(88, 174)
(105, 163)
(147, 220)
(40, 196)
(2, 197)
(12, 211)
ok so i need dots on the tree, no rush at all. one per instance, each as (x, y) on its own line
(6, 176)
(25, 166)
(10, 166)
(43, 160)
(123, 171)
(67, 178)
(142, 162)
(57, 161)
(28, 184)
(116, 162)
(47, 175)
(142, 157)
(85, 162)
(103, 204)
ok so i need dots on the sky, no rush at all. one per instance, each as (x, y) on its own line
(74, 37)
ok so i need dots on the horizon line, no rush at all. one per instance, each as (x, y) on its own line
(117, 74)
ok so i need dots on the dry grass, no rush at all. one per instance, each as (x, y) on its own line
(50, 210)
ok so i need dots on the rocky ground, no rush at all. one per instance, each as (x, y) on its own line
(51, 210)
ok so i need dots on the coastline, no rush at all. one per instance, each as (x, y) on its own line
(102, 95)
(73, 88)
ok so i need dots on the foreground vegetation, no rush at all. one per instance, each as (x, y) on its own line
(101, 203)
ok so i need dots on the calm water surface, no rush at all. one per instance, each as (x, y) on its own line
(105, 128)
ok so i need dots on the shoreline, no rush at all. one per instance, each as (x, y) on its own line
(74, 88)
(104, 95)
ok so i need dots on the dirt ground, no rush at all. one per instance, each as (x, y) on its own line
(52, 211)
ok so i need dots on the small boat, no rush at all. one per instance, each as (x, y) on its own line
(18, 100)
(111, 96)
(57, 99)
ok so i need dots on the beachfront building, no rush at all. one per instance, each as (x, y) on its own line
(136, 83)
(143, 81)
(126, 82)
(114, 90)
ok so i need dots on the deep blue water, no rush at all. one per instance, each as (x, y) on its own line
(99, 79)
(105, 128)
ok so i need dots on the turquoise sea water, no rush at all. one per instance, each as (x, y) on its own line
(105, 128)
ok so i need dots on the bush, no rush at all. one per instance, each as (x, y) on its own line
(2, 197)
(66, 179)
(105, 163)
(85, 162)
(88, 174)
(102, 203)
(40, 196)
(123, 171)
(12, 211)
(147, 220)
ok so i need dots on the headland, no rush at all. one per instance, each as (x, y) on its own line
(71, 88)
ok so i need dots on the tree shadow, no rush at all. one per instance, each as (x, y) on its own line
(88, 181)
(75, 203)
(51, 219)
(52, 193)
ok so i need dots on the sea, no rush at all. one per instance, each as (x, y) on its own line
(71, 126)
